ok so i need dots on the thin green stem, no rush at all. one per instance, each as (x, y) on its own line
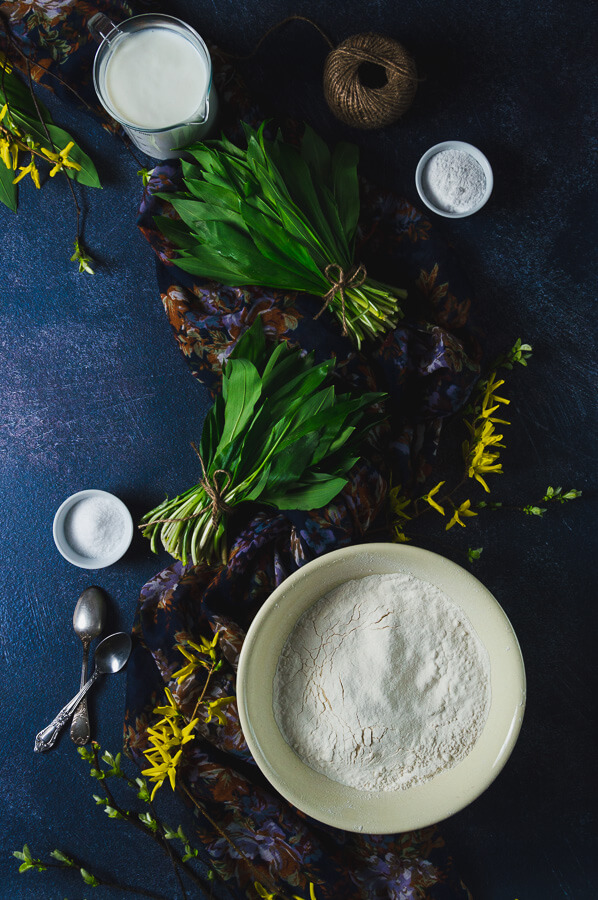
(53, 146)
(133, 820)
(114, 885)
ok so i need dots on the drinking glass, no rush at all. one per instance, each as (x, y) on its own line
(164, 142)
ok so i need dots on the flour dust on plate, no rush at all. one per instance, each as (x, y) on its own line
(382, 684)
(479, 670)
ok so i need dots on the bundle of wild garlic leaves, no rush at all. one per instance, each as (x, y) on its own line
(282, 217)
(278, 434)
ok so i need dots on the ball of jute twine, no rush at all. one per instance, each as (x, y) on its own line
(346, 89)
(358, 104)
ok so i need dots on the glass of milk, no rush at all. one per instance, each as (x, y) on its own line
(153, 74)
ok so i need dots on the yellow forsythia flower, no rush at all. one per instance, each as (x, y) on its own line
(399, 535)
(5, 152)
(167, 739)
(398, 502)
(268, 895)
(205, 649)
(262, 892)
(480, 452)
(215, 709)
(26, 170)
(428, 498)
(61, 160)
(462, 510)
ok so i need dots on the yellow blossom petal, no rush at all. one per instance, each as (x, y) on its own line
(157, 771)
(428, 498)
(24, 170)
(262, 892)
(184, 673)
(399, 503)
(156, 786)
(481, 480)
(463, 510)
(172, 769)
(5, 152)
(400, 536)
(54, 157)
(215, 708)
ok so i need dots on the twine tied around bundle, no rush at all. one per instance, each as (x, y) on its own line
(339, 279)
(214, 490)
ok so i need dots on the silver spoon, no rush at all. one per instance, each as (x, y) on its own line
(88, 622)
(111, 655)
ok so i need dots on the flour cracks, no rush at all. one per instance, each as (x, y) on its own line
(382, 684)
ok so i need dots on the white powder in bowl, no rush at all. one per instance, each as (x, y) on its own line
(382, 684)
(94, 527)
(454, 181)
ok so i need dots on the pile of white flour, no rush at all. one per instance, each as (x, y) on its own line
(454, 181)
(382, 684)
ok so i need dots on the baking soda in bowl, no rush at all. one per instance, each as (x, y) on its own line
(92, 529)
(454, 181)
(95, 527)
(382, 684)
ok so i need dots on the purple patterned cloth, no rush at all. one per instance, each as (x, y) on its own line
(428, 367)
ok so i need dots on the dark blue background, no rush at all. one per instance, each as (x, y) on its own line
(95, 394)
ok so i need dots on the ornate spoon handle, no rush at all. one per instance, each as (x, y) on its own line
(47, 736)
(80, 731)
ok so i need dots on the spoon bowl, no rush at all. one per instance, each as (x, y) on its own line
(112, 653)
(88, 623)
(90, 613)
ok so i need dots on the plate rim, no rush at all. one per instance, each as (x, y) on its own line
(354, 810)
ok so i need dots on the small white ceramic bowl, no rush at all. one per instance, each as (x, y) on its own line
(378, 812)
(69, 553)
(466, 148)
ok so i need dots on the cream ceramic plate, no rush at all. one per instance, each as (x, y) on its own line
(382, 812)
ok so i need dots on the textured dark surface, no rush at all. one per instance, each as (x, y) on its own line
(95, 394)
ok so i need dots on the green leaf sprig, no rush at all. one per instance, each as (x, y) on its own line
(278, 434)
(27, 133)
(481, 455)
(282, 217)
(108, 772)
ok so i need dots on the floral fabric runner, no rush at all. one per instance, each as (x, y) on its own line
(428, 367)
(428, 371)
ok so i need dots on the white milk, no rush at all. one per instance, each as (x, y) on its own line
(155, 78)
